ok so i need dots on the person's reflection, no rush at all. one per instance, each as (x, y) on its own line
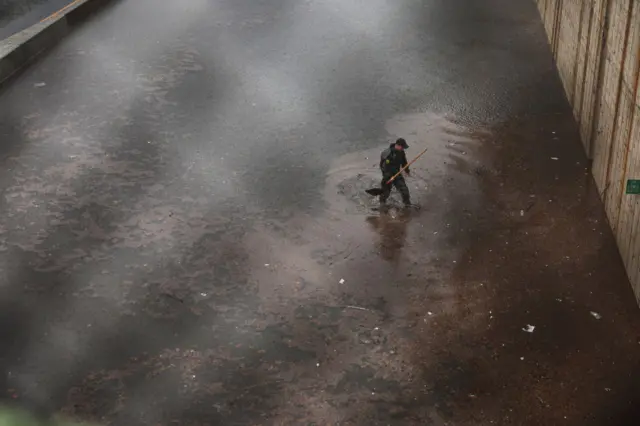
(392, 227)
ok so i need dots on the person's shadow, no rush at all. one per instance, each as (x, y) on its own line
(393, 232)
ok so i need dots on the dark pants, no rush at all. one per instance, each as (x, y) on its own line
(400, 185)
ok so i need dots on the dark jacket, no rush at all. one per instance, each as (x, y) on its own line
(392, 160)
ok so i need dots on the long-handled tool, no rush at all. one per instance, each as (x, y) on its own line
(378, 191)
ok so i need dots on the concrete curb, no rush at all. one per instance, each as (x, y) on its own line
(18, 50)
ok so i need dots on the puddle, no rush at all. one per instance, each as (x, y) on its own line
(358, 267)
(374, 252)
(451, 161)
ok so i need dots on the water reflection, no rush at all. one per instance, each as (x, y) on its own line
(391, 225)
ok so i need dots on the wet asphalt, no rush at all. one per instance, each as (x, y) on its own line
(186, 238)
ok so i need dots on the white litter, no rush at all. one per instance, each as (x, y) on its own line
(266, 264)
(358, 308)
(555, 158)
(521, 212)
(41, 84)
(318, 365)
(341, 281)
(596, 315)
(529, 328)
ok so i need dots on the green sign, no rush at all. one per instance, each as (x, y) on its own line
(633, 186)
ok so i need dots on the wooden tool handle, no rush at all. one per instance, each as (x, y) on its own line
(406, 167)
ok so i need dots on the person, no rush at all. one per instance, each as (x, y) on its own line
(392, 160)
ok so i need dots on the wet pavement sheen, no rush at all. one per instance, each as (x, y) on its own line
(186, 238)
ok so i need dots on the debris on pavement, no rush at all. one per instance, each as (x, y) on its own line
(218, 186)
(555, 158)
(357, 308)
(596, 315)
(40, 84)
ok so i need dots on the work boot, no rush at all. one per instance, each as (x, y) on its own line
(412, 206)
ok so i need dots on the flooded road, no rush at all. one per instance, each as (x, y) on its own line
(186, 238)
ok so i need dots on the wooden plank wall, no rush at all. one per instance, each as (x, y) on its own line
(596, 45)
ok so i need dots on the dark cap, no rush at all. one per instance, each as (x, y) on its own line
(402, 143)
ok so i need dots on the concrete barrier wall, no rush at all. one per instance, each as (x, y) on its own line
(18, 50)
(18, 15)
(596, 45)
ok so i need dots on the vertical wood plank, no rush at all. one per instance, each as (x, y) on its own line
(607, 102)
(593, 73)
